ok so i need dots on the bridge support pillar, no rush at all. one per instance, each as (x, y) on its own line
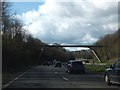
(96, 55)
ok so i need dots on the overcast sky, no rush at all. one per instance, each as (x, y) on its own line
(71, 22)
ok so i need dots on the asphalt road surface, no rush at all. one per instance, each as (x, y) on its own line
(51, 77)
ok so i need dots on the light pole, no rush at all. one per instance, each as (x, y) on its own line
(39, 56)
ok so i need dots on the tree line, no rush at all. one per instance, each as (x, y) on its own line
(20, 49)
(111, 51)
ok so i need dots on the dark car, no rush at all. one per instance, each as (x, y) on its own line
(58, 64)
(112, 74)
(75, 66)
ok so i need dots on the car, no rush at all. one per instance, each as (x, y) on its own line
(112, 73)
(75, 66)
(58, 64)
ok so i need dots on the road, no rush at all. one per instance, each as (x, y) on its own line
(51, 77)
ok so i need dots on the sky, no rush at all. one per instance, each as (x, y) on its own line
(70, 21)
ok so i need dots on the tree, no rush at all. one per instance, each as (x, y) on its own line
(6, 17)
(20, 49)
(112, 43)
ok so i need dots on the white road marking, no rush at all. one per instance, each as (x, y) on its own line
(61, 76)
(13, 80)
(56, 73)
(65, 79)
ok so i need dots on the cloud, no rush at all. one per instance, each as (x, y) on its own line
(72, 22)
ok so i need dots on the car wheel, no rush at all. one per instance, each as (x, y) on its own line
(107, 79)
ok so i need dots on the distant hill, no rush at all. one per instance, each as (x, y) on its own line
(112, 51)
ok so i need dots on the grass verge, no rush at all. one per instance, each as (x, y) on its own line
(95, 68)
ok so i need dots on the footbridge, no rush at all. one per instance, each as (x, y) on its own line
(91, 47)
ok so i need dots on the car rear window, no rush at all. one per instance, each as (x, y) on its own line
(77, 63)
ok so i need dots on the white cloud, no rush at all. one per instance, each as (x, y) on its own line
(72, 22)
(88, 38)
(76, 49)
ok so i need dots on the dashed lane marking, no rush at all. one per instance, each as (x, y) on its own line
(62, 77)
(65, 78)
(56, 73)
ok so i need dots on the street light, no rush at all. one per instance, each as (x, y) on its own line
(39, 55)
